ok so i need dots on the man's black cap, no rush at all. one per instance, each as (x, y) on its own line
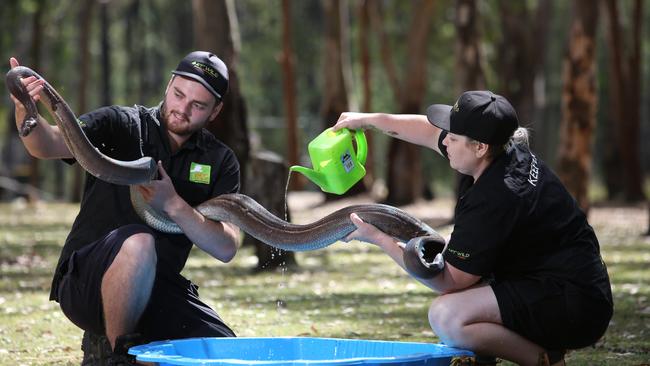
(480, 115)
(207, 69)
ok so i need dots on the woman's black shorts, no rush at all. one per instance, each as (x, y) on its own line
(556, 315)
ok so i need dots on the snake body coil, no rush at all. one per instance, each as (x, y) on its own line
(90, 158)
(421, 256)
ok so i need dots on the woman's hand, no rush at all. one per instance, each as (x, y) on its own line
(365, 232)
(354, 121)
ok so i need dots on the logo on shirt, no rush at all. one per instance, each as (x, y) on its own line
(457, 253)
(200, 173)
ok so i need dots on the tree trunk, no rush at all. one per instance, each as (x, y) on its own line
(268, 172)
(541, 139)
(145, 57)
(613, 168)
(131, 20)
(287, 60)
(337, 70)
(377, 23)
(366, 104)
(13, 152)
(37, 40)
(405, 182)
(521, 54)
(469, 59)
(469, 68)
(579, 101)
(625, 98)
(85, 20)
(216, 29)
(335, 93)
(107, 97)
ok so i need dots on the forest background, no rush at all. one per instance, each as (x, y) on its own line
(576, 71)
(572, 69)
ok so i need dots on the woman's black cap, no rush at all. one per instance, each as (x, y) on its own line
(480, 115)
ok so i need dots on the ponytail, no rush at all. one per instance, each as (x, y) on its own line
(519, 137)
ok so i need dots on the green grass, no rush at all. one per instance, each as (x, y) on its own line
(347, 291)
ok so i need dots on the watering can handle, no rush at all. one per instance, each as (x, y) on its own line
(362, 146)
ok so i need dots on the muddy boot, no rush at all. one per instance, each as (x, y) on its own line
(96, 348)
(120, 356)
(481, 360)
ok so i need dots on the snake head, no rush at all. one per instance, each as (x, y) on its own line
(423, 256)
(29, 123)
(19, 91)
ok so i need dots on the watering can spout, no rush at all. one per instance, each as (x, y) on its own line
(317, 177)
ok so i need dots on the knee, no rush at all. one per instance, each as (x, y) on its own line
(440, 314)
(141, 248)
(444, 320)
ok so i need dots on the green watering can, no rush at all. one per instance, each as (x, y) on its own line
(337, 167)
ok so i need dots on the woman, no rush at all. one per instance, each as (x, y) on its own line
(523, 278)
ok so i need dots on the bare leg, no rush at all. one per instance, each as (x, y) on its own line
(127, 284)
(471, 319)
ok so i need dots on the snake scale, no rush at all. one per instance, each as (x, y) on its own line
(422, 253)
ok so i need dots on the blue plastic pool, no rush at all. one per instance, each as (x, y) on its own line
(295, 351)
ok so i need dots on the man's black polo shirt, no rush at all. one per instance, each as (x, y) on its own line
(203, 168)
(518, 221)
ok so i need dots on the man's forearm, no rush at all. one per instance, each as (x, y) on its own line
(219, 239)
(45, 141)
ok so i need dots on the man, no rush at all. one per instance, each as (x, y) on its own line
(115, 276)
(522, 278)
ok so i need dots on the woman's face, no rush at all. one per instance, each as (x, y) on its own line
(462, 153)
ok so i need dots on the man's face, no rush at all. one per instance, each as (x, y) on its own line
(188, 106)
(461, 153)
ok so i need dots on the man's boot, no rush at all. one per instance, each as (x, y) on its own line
(120, 356)
(97, 350)
(485, 360)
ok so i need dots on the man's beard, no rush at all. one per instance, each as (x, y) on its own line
(178, 123)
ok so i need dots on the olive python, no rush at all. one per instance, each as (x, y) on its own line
(422, 253)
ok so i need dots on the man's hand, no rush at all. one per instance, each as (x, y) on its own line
(34, 87)
(219, 239)
(160, 194)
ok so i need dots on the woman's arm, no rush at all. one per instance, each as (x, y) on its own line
(449, 280)
(413, 128)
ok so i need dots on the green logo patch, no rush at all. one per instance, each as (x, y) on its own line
(200, 173)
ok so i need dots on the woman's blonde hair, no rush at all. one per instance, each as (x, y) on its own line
(519, 137)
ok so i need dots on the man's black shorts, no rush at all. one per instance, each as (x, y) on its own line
(174, 310)
(555, 315)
